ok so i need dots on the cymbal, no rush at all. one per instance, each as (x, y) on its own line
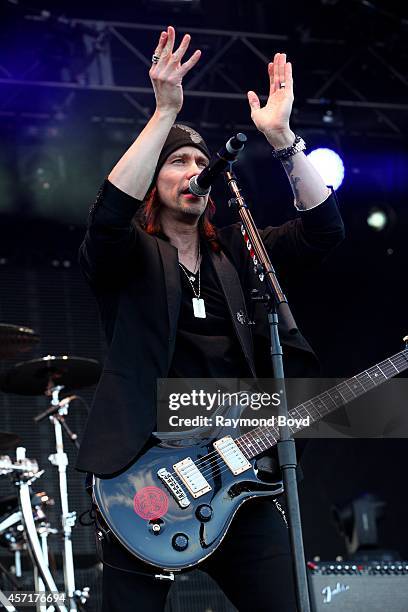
(9, 440)
(15, 339)
(38, 376)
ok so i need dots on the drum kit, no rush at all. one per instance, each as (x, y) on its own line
(23, 516)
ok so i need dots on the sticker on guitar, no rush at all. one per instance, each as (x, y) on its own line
(150, 503)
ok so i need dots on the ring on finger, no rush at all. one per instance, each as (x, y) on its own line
(155, 58)
(282, 85)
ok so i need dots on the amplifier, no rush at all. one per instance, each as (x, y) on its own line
(358, 587)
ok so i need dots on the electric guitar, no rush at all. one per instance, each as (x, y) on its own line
(174, 505)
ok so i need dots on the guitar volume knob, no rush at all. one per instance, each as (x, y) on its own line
(204, 512)
(180, 541)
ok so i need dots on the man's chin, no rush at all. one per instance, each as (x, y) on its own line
(191, 208)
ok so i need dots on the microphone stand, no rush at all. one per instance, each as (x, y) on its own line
(276, 303)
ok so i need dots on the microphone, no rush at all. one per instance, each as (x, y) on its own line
(200, 185)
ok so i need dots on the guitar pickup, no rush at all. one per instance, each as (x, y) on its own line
(191, 476)
(232, 455)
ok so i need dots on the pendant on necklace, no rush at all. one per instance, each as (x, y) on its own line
(199, 308)
(192, 278)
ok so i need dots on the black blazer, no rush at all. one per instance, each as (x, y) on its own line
(135, 278)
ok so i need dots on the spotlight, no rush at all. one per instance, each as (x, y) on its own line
(329, 165)
(328, 117)
(377, 219)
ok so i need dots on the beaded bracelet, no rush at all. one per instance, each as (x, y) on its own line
(297, 146)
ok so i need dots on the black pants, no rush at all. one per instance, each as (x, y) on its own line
(252, 566)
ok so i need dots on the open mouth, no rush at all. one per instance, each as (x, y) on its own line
(187, 192)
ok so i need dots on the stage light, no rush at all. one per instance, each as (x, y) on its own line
(377, 219)
(40, 171)
(328, 117)
(329, 165)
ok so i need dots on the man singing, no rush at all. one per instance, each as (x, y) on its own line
(173, 293)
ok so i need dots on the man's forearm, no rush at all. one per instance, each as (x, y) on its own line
(307, 185)
(134, 171)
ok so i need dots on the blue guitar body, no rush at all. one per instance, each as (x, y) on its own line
(147, 516)
(173, 506)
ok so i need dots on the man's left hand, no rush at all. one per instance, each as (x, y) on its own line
(273, 119)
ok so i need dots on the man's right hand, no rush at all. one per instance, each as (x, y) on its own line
(134, 172)
(167, 74)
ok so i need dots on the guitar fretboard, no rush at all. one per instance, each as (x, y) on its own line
(260, 439)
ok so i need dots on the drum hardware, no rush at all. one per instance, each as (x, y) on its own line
(81, 597)
(7, 605)
(49, 376)
(13, 537)
(24, 472)
(34, 547)
(10, 576)
(59, 409)
(21, 538)
(14, 339)
(56, 412)
(44, 530)
(27, 467)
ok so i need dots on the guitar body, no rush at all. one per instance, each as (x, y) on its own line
(147, 519)
(173, 506)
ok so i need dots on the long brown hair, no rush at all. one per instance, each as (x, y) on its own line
(149, 219)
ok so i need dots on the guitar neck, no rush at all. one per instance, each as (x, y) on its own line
(260, 439)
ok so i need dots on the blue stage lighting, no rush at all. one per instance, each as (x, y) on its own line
(329, 165)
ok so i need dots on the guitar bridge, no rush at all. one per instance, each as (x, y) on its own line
(173, 486)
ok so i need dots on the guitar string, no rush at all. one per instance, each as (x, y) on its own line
(210, 464)
(224, 467)
(215, 455)
(214, 462)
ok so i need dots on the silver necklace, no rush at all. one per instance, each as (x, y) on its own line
(198, 303)
(191, 275)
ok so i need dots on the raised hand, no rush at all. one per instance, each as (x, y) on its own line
(167, 74)
(273, 118)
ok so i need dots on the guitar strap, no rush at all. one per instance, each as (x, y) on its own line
(231, 286)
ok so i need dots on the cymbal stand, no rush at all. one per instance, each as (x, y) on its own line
(17, 563)
(5, 602)
(45, 530)
(33, 543)
(60, 459)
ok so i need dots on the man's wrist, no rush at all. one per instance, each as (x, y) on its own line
(280, 139)
(169, 114)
